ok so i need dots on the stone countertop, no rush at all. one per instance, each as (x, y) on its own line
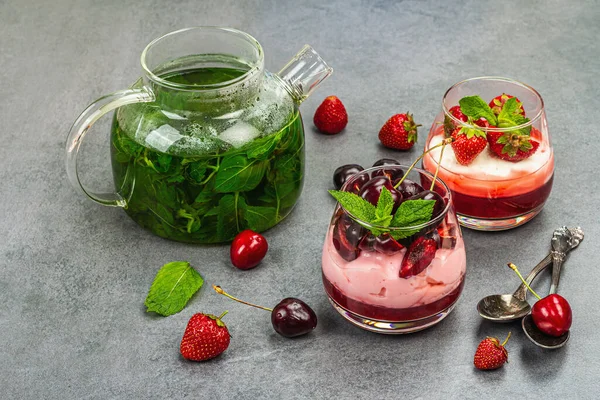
(74, 274)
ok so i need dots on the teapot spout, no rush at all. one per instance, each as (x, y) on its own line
(304, 73)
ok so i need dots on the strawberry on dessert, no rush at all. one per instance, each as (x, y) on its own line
(511, 146)
(467, 144)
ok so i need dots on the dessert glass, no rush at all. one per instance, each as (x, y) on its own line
(363, 281)
(490, 193)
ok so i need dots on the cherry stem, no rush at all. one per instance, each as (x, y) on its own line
(222, 315)
(514, 268)
(221, 291)
(444, 142)
(506, 340)
(437, 169)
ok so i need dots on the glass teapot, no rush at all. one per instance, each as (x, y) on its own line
(207, 143)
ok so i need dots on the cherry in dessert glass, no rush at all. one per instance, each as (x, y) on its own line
(388, 286)
(492, 193)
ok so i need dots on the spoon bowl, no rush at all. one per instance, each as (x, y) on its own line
(540, 338)
(502, 308)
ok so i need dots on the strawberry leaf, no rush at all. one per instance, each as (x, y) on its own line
(509, 149)
(471, 132)
(475, 107)
(174, 285)
(355, 205)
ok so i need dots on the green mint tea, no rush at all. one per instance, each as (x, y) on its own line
(200, 176)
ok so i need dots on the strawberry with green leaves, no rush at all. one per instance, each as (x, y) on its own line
(491, 354)
(399, 132)
(205, 337)
(468, 143)
(511, 146)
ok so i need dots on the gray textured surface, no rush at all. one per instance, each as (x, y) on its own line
(73, 274)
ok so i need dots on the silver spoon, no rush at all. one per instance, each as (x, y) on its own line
(562, 240)
(510, 307)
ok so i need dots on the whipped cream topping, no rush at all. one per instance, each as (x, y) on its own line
(487, 166)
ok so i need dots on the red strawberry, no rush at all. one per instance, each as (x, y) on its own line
(512, 146)
(399, 132)
(331, 116)
(205, 337)
(467, 144)
(449, 124)
(419, 255)
(491, 354)
(498, 102)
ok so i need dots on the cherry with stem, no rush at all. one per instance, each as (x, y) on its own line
(291, 317)
(552, 314)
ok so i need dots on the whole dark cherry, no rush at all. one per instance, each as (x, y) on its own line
(358, 181)
(347, 234)
(367, 243)
(372, 189)
(408, 188)
(341, 174)
(292, 317)
(391, 173)
(387, 245)
(248, 249)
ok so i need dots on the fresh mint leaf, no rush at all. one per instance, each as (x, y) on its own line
(355, 205)
(509, 109)
(174, 285)
(475, 107)
(411, 213)
(383, 212)
(509, 116)
(238, 174)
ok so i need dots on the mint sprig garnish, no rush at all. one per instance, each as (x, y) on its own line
(474, 107)
(174, 285)
(381, 219)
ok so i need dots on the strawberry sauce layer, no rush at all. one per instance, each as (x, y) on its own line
(371, 286)
(490, 187)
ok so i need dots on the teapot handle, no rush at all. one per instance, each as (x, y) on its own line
(81, 126)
